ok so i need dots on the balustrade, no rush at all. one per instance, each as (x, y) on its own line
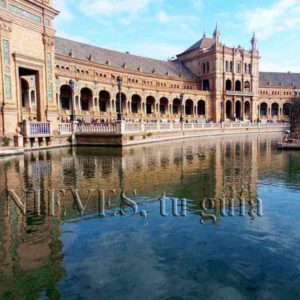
(36, 129)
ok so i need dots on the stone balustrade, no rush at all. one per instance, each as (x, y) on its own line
(36, 129)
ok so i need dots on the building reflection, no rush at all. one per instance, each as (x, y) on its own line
(30, 246)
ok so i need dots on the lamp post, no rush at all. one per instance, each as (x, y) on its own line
(72, 86)
(119, 82)
(181, 108)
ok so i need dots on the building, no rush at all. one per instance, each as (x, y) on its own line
(217, 83)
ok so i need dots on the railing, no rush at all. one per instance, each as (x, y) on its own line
(238, 93)
(97, 128)
(138, 127)
(36, 129)
(65, 128)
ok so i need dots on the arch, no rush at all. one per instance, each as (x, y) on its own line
(65, 97)
(247, 109)
(238, 86)
(206, 86)
(201, 108)
(238, 109)
(104, 101)
(24, 93)
(228, 109)
(150, 104)
(228, 85)
(86, 98)
(123, 102)
(177, 106)
(163, 105)
(189, 105)
(136, 104)
(287, 109)
(247, 86)
(263, 109)
(275, 109)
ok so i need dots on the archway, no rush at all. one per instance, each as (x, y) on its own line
(287, 109)
(150, 104)
(163, 105)
(176, 106)
(136, 104)
(201, 108)
(275, 109)
(228, 109)
(104, 101)
(238, 86)
(247, 110)
(264, 109)
(238, 112)
(65, 97)
(123, 102)
(189, 104)
(86, 98)
(228, 85)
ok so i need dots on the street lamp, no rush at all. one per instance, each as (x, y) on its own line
(181, 107)
(119, 82)
(72, 86)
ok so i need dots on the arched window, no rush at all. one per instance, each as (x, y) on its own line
(247, 109)
(287, 109)
(136, 104)
(264, 109)
(189, 107)
(65, 97)
(104, 101)
(163, 105)
(150, 104)
(238, 110)
(228, 85)
(228, 109)
(86, 97)
(238, 86)
(275, 109)
(206, 85)
(201, 108)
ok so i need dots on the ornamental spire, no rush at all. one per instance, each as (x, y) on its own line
(254, 42)
(217, 34)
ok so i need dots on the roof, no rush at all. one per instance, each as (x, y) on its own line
(279, 79)
(204, 43)
(117, 59)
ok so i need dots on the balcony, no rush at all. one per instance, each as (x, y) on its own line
(36, 129)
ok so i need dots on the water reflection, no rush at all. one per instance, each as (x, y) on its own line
(32, 247)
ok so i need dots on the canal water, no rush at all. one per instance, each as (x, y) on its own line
(213, 218)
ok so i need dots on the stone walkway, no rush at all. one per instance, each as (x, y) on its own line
(6, 151)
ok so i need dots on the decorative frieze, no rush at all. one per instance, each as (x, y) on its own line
(24, 13)
(49, 77)
(6, 68)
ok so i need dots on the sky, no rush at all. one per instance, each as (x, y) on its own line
(163, 28)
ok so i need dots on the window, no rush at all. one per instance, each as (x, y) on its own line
(238, 68)
(231, 66)
(207, 67)
(226, 66)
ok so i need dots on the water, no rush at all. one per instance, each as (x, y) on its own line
(69, 253)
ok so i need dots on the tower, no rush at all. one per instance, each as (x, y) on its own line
(27, 62)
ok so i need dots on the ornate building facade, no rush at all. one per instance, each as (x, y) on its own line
(207, 82)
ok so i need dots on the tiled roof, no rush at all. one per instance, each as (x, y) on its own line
(204, 43)
(117, 59)
(279, 79)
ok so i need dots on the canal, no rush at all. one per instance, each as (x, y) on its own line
(213, 218)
